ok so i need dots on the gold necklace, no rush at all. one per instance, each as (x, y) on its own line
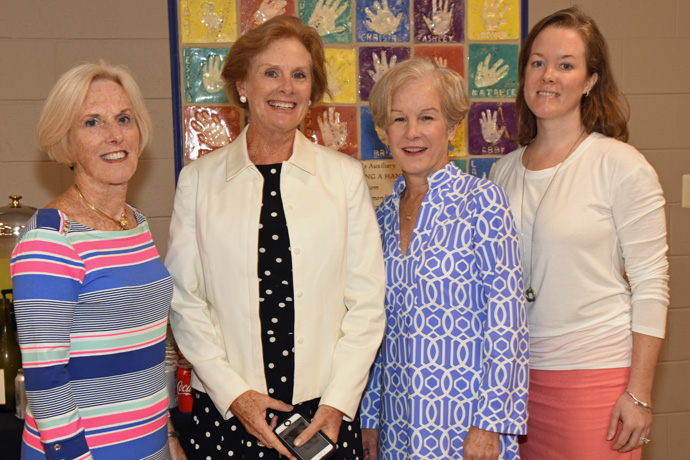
(123, 217)
(530, 296)
(408, 216)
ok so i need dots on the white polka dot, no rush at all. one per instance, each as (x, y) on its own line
(208, 457)
(271, 390)
(196, 446)
(191, 441)
(283, 379)
(261, 454)
(262, 250)
(279, 260)
(271, 365)
(281, 304)
(349, 428)
(285, 282)
(218, 447)
(267, 273)
(273, 193)
(274, 320)
(289, 299)
(275, 237)
(208, 435)
(344, 443)
(222, 438)
(206, 410)
(273, 170)
(231, 453)
(269, 332)
(216, 423)
(249, 444)
(233, 428)
(271, 415)
(272, 339)
(285, 353)
(261, 299)
(274, 214)
(261, 226)
(269, 291)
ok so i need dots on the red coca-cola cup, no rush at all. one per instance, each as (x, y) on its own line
(184, 386)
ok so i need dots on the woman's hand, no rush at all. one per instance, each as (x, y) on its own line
(326, 419)
(481, 445)
(370, 442)
(250, 409)
(176, 451)
(636, 422)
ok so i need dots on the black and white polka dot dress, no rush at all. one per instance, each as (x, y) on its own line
(212, 436)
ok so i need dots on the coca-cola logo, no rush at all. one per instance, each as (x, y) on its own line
(184, 388)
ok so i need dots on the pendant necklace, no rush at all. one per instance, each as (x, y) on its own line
(530, 296)
(408, 216)
(123, 217)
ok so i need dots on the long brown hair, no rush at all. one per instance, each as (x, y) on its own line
(605, 109)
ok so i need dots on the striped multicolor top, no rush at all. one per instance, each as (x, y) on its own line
(91, 310)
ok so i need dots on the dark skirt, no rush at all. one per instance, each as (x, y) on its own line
(213, 438)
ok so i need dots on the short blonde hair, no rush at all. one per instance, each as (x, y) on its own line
(449, 85)
(66, 99)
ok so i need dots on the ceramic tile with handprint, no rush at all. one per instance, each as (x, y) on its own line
(206, 21)
(342, 75)
(383, 21)
(372, 147)
(374, 62)
(481, 167)
(492, 125)
(492, 71)
(439, 21)
(334, 127)
(202, 75)
(209, 128)
(493, 19)
(256, 12)
(331, 18)
(448, 56)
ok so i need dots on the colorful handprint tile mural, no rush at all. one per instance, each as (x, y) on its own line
(363, 39)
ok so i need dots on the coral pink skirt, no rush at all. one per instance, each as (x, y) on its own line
(569, 415)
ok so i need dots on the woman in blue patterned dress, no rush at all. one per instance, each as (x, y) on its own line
(450, 381)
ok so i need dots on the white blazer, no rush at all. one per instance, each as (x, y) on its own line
(338, 274)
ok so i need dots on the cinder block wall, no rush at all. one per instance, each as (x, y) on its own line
(650, 42)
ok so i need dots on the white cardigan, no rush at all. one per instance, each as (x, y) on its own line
(338, 274)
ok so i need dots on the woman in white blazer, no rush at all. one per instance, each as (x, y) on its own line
(276, 257)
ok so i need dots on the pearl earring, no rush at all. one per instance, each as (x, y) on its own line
(243, 99)
(309, 102)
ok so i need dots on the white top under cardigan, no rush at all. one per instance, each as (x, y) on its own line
(338, 274)
(599, 267)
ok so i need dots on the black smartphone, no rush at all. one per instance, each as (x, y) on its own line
(319, 447)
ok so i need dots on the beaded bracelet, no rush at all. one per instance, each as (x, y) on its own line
(638, 402)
